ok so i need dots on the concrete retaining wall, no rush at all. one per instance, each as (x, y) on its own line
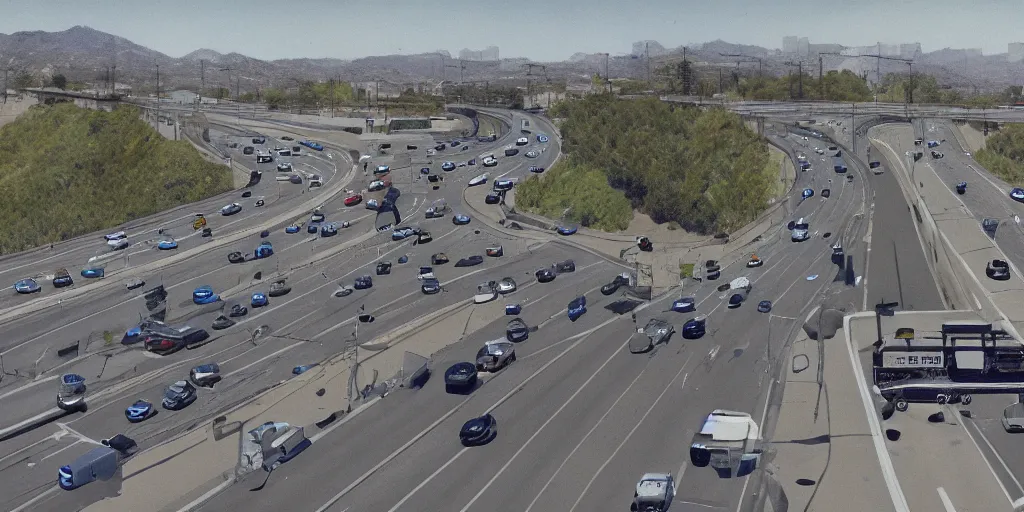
(942, 258)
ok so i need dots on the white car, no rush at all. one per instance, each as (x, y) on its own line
(486, 292)
(375, 186)
(506, 285)
(118, 244)
(431, 152)
(116, 236)
(490, 162)
(479, 180)
(522, 141)
(231, 209)
(426, 273)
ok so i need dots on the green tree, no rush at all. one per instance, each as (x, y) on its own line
(274, 98)
(59, 81)
(23, 80)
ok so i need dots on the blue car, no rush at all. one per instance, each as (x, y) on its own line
(566, 230)
(455, 143)
(684, 305)
(472, 161)
(291, 230)
(62, 279)
(265, 250)
(807, 193)
(536, 170)
(542, 138)
(312, 145)
(460, 219)
(259, 299)
(27, 286)
(139, 411)
(695, 328)
(513, 309)
(166, 245)
(313, 228)
(328, 230)
(132, 336)
(425, 170)
(765, 306)
(1017, 194)
(577, 307)
(448, 166)
(92, 273)
(204, 295)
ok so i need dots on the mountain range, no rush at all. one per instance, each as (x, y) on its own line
(84, 54)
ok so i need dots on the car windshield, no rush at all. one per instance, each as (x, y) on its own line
(172, 393)
(801, 226)
(484, 288)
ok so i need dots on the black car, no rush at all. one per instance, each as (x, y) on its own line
(545, 275)
(460, 378)
(248, 150)
(511, 152)
(439, 259)
(222, 322)
(430, 286)
(566, 266)
(492, 198)
(478, 431)
(613, 286)
(765, 306)
(205, 375)
(961, 188)
(278, 288)
(179, 395)
(695, 328)
(439, 147)
(644, 244)
(470, 261)
(363, 283)
(235, 257)
(238, 310)
(517, 330)
(998, 270)
(826, 192)
(383, 268)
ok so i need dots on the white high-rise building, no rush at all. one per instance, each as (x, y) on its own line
(790, 45)
(1015, 52)
(803, 46)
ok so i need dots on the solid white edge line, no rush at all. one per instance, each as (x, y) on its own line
(427, 480)
(946, 503)
(629, 435)
(999, 481)
(899, 500)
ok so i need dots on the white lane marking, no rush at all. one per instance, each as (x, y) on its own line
(196, 503)
(30, 503)
(625, 439)
(988, 464)
(946, 503)
(264, 358)
(29, 385)
(585, 437)
(62, 449)
(892, 482)
(427, 480)
(580, 338)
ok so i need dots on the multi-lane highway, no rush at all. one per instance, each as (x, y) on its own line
(118, 375)
(580, 417)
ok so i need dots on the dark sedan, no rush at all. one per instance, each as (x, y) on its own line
(545, 275)
(478, 431)
(517, 330)
(460, 378)
(363, 283)
(179, 395)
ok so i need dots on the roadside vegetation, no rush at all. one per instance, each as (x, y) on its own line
(68, 171)
(581, 192)
(701, 169)
(1004, 154)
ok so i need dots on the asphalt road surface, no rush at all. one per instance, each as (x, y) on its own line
(580, 418)
(119, 375)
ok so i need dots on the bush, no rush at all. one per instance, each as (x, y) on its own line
(1004, 154)
(68, 171)
(703, 169)
(582, 189)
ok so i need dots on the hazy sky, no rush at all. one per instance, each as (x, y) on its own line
(541, 30)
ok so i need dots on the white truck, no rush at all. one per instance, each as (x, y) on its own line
(728, 441)
(739, 288)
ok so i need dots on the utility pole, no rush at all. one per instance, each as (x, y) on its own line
(529, 73)
(6, 71)
(647, 52)
(607, 77)
(158, 98)
(878, 64)
(113, 79)
(202, 79)
(821, 79)
(332, 97)
(719, 80)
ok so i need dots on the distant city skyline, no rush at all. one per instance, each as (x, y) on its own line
(548, 31)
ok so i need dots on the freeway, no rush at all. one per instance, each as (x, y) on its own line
(307, 324)
(144, 234)
(580, 417)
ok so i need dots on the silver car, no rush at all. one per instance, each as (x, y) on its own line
(495, 355)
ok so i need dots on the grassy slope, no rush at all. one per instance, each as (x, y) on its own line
(1004, 154)
(68, 171)
(585, 189)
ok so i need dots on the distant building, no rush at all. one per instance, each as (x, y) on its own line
(1015, 52)
(183, 97)
(803, 46)
(487, 54)
(790, 45)
(910, 50)
(972, 52)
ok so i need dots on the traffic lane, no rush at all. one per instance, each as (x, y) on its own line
(1001, 448)
(403, 414)
(273, 359)
(524, 410)
(33, 469)
(898, 270)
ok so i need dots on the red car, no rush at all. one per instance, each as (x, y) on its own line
(353, 200)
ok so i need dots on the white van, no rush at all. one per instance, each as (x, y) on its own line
(800, 231)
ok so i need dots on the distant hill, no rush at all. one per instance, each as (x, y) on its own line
(84, 54)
